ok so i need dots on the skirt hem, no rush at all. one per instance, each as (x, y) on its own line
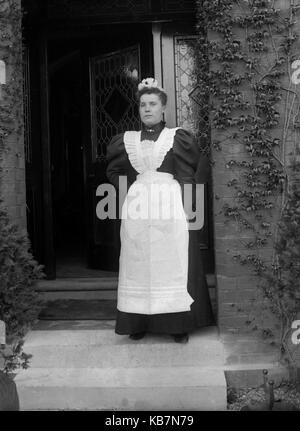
(168, 332)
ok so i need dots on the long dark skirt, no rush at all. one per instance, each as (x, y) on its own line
(175, 323)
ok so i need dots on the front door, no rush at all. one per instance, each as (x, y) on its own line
(114, 109)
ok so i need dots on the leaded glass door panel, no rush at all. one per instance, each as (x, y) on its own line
(114, 109)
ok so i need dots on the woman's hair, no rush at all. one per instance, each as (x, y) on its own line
(153, 90)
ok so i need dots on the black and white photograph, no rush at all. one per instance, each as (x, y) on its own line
(149, 208)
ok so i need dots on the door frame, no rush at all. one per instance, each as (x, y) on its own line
(49, 253)
(164, 39)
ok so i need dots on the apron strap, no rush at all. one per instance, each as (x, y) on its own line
(131, 140)
(164, 144)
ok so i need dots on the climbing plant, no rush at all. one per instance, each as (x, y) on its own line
(19, 304)
(254, 113)
(11, 107)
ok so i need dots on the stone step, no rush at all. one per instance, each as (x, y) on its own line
(77, 294)
(89, 294)
(90, 283)
(160, 388)
(77, 284)
(104, 348)
(90, 288)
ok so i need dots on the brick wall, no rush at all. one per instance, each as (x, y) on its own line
(239, 299)
(12, 160)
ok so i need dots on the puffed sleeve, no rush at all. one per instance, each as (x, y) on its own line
(116, 160)
(187, 157)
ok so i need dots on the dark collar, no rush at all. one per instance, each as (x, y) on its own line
(155, 128)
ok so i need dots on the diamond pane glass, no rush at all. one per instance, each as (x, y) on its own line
(190, 112)
(185, 82)
(114, 79)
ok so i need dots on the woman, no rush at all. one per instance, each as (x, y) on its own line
(162, 287)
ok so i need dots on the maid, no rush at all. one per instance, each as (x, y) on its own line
(162, 286)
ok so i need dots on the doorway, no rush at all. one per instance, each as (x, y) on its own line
(92, 84)
(67, 169)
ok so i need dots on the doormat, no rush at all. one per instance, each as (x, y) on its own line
(78, 309)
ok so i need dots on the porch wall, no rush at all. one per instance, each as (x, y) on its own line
(12, 157)
(239, 298)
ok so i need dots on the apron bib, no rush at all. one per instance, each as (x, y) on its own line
(154, 234)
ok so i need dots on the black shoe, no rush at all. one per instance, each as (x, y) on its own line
(181, 338)
(137, 336)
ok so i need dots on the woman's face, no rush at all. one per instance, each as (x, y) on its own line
(151, 109)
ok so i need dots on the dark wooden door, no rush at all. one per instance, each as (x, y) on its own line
(113, 109)
(37, 153)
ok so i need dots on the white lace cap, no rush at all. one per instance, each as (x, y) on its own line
(149, 83)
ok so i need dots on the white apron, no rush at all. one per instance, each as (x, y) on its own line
(154, 233)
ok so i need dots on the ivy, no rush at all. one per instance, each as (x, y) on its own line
(249, 46)
(19, 302)
(11, 107)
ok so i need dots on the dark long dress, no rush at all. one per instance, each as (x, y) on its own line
(181, 161)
